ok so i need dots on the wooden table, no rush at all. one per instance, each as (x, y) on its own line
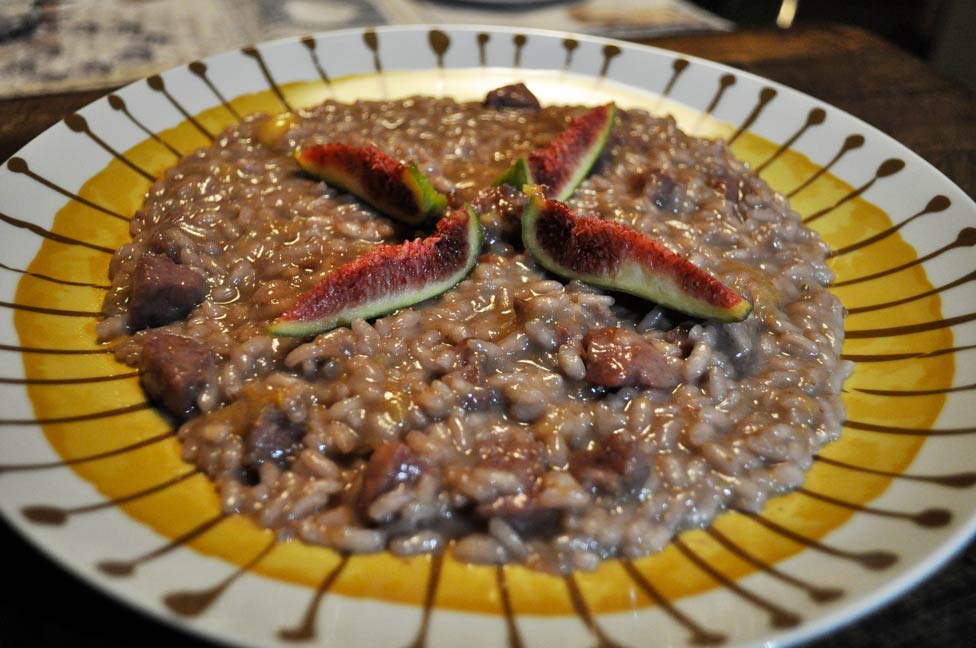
(843, 66)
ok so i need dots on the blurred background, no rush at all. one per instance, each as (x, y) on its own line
(938, 31)
(51, 46)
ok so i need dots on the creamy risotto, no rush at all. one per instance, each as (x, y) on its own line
(518, 417)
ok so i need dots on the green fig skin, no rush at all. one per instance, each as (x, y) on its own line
(400, 191)
(517, 175)
(388, 278)
(563, 163)
(610, 255)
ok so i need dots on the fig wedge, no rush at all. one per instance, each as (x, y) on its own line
(566, 160)
(387, 278)
(398, 190)
(613, 256)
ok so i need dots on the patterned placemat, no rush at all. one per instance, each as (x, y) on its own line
(50, 47)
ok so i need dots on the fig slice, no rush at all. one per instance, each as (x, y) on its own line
(387, 278)
(566, 160)
(398, 190)
(611, 255)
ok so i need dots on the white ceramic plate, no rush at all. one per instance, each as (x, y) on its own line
(92, 476)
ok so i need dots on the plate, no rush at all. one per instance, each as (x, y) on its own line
(92, 475)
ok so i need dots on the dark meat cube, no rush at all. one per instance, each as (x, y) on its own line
(617, 357)
(527, 461)
(272, 438)
(512, 96)
(175, 370)
(163, 291)
(614, 466)
(391, 464)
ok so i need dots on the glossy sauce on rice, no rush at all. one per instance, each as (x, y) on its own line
(518, 416)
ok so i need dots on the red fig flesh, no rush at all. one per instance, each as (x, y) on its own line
(398, 190)
(387, 278)
(566, 160)
(611, 255)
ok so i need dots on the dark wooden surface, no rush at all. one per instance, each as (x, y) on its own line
(845, 67)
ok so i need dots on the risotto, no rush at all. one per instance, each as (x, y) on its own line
(517, 417)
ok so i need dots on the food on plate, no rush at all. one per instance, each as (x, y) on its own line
(562, 164)
(398, 190)
(515, 95)
(611, 255)
(174, 369)
(387, 278)
(163, 291)
(519, 415)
